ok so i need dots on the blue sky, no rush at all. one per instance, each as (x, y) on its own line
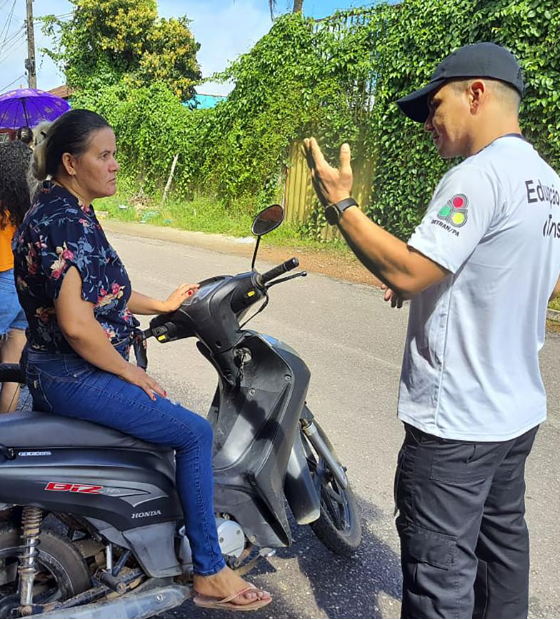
(224, 28)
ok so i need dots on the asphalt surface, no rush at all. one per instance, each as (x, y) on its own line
(352, 342)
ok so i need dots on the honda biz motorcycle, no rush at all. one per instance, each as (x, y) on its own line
(90, 520)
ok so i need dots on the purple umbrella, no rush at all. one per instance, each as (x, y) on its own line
(28, 107)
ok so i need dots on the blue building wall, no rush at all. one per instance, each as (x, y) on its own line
(203, 102)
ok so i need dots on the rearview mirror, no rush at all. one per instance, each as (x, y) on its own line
(267, 220)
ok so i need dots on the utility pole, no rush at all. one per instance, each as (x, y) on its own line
(298, 6)
(30, 64)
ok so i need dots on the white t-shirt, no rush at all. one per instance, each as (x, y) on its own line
(471, 367)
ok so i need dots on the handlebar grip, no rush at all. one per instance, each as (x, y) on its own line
(290, 264)
(11, 373)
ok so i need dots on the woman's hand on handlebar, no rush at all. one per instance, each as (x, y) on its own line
(178, 296)
(135, 375)
(142, 304)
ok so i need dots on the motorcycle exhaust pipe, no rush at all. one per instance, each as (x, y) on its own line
(135, 604)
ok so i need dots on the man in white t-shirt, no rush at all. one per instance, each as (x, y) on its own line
(479, 269)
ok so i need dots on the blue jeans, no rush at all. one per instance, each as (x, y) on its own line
(70, 386)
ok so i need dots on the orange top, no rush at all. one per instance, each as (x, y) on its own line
(6, 254)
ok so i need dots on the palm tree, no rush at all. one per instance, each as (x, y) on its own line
(297, 7)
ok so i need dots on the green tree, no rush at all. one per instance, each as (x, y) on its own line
(124, 39)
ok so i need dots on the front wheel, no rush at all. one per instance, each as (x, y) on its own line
(338, 527)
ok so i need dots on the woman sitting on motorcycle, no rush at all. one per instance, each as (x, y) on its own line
(80, 307)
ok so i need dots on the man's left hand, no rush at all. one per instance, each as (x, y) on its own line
(331, 184)
(390, 295)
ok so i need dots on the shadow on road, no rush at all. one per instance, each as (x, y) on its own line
(307, 578)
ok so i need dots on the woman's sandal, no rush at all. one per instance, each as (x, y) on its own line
(212, 602)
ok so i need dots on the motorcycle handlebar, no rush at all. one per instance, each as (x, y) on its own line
(11, 373)
(290, 264)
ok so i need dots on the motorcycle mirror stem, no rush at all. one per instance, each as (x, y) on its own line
(255, 253)
(266, 221)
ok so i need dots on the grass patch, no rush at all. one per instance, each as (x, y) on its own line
(555, 304)
(201, 214)
(207, 215)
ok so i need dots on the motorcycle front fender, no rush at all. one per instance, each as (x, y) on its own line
(299, 488)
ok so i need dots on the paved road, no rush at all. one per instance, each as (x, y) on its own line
(352, 343)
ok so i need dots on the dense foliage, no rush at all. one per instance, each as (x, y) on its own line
(337, 80)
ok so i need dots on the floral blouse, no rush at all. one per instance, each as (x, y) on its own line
(58, 232)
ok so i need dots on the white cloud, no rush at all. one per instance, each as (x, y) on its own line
(224, 28)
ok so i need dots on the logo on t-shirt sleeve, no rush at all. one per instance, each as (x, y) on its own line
(455, 211)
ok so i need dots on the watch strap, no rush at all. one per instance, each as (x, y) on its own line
(334, 211)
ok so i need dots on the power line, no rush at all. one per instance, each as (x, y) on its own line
(36, 20)
(11, 10)
(13, 37)
(8, 40)
(4, 3)
(11, 83)
(7, 45)
(7, 25)
(12, 50)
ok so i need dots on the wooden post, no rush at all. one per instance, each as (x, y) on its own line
(170, 178)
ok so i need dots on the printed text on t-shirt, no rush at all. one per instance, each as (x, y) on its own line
(542, 193)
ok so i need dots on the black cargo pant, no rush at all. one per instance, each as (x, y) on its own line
(464, 540)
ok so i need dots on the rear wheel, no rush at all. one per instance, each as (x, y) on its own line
(339, 527)
(61, 571)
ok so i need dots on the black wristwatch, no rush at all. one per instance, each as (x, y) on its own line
(334, 212)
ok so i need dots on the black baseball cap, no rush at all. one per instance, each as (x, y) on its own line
(470, 61)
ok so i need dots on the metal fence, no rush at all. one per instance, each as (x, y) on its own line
(299, 197)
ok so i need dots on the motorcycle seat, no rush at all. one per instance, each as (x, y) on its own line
(36, 429)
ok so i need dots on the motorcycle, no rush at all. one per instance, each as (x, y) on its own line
(90, 521)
